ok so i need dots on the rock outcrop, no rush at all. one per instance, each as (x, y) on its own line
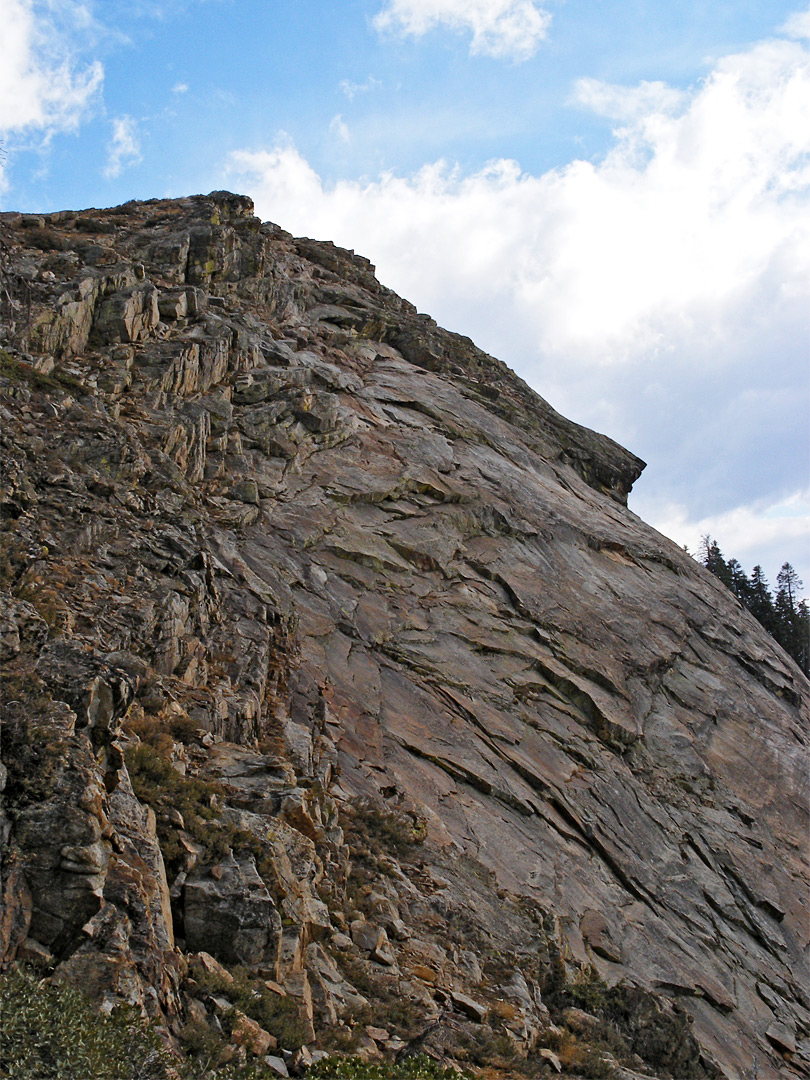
(333, 652)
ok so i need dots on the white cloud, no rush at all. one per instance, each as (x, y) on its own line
(629, 103)
(41, 86)
(352, 89)
(180, 88)
(798, 25)
(758, 534)
(124, 149)
(658, 295)
(508, 29)
(339, 128)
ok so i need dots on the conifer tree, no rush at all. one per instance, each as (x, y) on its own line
(786, 610)
(786, 618)
(712, 559)
(802, 644)
(740, 585)
(761, 601)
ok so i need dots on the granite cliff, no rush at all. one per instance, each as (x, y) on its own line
(333, 657)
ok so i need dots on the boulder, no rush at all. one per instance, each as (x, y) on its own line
(367, 935)
(468, 1006)
(228, 912)
(252, 1036)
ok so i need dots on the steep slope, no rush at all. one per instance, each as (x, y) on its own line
(267, 527)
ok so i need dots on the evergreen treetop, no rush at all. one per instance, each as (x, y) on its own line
(786, 617)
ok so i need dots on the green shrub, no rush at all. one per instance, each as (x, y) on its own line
(277, 1014)
(420, 1067)
(156, 782)
(384, 831)
(19, 371)
(588, 991)
(386, 1006)
(52, 1033)
(32, 748)
(580, 1056)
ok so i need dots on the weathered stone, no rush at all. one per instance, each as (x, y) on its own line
(379, 1035)
(398, 930)
(367, 935)
(333, 996)
(232, 917)
(383, 954)
(296, 983)
(15, 918)
(277, 1064)
(596, 933)
(468, 1006)
(367, 1049)
(212, 966)
(551, 1058)
(32, 952)
(245, 491)
(782, 1037)
(173, 305)
(248, 1033)
(426, 974)
(127, 316)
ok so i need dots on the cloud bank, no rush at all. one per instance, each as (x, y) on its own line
(505, 29)
(42, 87)
(658, 294)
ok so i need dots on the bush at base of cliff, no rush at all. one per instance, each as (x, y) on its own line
(420, 1067)
(581, 1058)
(278, 1015)
(51, 1032)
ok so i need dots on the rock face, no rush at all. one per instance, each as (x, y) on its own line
(287, 568)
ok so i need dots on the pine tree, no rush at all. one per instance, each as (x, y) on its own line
(789, 628)
(712, 559)
(790, 584)
(786, 618)
(761, 601)
(802, 644)
(740, 585)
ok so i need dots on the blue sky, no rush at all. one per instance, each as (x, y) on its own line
(613, 196)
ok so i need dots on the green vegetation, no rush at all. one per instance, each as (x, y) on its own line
(156, 782)
(786, 616)
(31, 746)
(380, 831)
(18, 371)
(386, 1006)
(583, 1057)
(589, 991)
(51, 1032)
(620, 1021)
(420, 1067)
(276, 1014)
